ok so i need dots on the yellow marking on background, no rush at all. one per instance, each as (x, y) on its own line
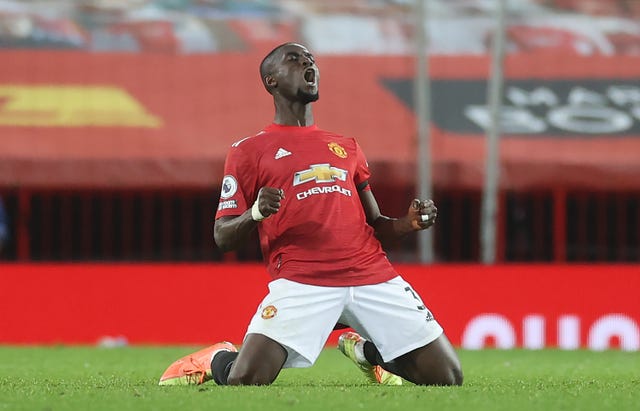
(72, 106)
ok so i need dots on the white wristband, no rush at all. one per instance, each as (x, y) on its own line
(256, 215)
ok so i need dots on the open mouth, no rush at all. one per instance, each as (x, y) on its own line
(310, 76)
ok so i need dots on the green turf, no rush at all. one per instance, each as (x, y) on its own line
(83, 378)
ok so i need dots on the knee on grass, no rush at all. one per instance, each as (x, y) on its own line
(251, 377)
(446, 377)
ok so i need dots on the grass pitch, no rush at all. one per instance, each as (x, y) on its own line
(85, 378)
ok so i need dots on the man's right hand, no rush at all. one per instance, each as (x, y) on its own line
(269, 200)
(230, 232)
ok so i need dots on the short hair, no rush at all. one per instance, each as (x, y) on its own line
(267, 62)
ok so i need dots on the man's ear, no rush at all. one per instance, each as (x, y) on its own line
(270, 81)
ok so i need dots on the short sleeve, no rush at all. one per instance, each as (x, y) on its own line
(238, 184)
(362, 173)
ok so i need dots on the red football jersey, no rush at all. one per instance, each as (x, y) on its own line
(320, 235)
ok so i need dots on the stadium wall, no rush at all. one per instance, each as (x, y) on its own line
(504, 306)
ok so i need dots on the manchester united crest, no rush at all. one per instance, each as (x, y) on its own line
(338, 150)
(269, 312)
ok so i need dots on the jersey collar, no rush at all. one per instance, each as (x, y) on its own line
(280, 127)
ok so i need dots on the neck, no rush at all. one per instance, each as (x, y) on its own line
(290, 113)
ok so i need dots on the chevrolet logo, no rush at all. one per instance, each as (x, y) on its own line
(321, 173)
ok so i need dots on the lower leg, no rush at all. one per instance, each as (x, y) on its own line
(221, 366)
(373, 356)
(258, 363)
(434, 364)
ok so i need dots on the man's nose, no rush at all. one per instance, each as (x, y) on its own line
(306, 62)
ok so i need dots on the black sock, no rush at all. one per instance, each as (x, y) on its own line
(372, 354)
(221, 366)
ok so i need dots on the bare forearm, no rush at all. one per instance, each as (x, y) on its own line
(388, 229)
(230, 233)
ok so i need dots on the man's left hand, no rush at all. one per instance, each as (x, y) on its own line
(422, 214)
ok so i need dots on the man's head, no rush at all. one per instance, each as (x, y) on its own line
(290, 71)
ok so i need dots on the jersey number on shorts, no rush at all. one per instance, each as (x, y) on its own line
(421, 306)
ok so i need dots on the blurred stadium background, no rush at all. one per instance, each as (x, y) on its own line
(115, 117)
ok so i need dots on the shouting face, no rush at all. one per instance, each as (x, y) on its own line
(290, 70)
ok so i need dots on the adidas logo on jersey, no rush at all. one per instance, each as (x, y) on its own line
(282, 153)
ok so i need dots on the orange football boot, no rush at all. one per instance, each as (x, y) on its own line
(194, 369)
(347, 345)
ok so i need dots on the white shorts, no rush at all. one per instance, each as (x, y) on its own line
(301, 317)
